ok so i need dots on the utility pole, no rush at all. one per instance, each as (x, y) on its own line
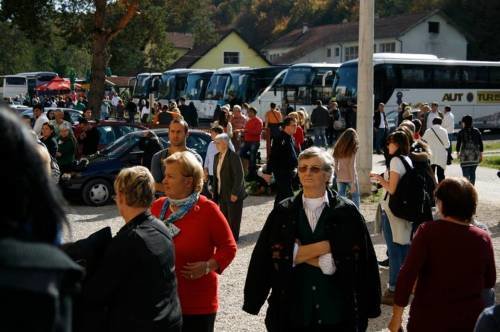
(365, 94)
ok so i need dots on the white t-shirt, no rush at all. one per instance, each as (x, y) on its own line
(449, 122)
(145, 111)
(430, 117)
(397, 165)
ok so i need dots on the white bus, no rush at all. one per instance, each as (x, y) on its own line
(23, 84)
(172, 85)
(237, 85)
(468, 87)
(300, 85)
(143, 86)
(196, 88)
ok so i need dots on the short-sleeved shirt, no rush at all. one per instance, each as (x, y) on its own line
(157, 167)
(397, 165)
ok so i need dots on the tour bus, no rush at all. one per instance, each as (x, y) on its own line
(468, 87)
(144, 85)
(172, 85)
(196, 88)
(300, 85)
(23, 84)
(237, 85)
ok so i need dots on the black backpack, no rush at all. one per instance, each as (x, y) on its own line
(413, 199)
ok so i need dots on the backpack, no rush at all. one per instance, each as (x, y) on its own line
(413, 199)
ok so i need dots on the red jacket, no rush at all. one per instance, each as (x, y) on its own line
(299, 138)
(253, 129)
(204, 234)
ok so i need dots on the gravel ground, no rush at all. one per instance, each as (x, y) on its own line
(85, 220)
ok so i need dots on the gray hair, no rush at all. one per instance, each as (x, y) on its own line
(222, 137)
(322, 154)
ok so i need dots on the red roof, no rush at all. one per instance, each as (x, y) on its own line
(181, 39)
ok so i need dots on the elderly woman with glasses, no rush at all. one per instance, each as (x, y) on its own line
(204, 244)
(315, 256)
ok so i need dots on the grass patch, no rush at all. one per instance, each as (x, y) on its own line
(487, 145)
(491, 161)
(374, 197)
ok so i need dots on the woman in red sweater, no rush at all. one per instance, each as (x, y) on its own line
(453, 262)
(299, 133)
(204, 244)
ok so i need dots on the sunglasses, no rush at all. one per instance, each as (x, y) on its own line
(312, 169)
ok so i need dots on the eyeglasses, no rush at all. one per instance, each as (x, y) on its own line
(312, 169)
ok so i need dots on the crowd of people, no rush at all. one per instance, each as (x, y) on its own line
(313, 262)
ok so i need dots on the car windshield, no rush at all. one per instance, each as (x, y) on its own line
(121, 145)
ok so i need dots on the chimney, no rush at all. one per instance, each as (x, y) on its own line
(305, 28)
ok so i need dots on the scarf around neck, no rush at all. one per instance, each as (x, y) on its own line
(183, 207)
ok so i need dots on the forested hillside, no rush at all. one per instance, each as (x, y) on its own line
(56, 34)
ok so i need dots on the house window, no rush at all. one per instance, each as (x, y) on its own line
(231, 58)
(328, 52)
(388, 48)
(337, 51)
(351, 53)
(433, 27)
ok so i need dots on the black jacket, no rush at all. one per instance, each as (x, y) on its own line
(134, 288)
(271, 263)
(283, 156)
(377, 117)
(232, 182)
(37, 285)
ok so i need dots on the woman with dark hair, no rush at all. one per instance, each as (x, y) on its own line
(49, 138)
(469, 148)
(451, 261)
(397, 231)
(37, 280)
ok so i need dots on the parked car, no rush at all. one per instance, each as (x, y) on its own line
(70, 115)
(92, 180)
(111, 130)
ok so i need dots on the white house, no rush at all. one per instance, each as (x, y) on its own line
(430, 33)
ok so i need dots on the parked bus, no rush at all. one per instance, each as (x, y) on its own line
(172, 85)
(144, 85)
(237, 85)
(196, 88)
(468, 87)
(23, 84)
(300, 85)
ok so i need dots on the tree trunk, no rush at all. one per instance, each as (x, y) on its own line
(101, 37)
(99, 58)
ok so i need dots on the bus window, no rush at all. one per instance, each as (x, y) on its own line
(494, 77)
(446, 77)
(413, 76)
(475, 77)
(15, 81)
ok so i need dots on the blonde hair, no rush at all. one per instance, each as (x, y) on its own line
(137, 185)
(190, 167)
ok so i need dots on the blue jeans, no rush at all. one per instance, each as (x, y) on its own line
(319, 136)
(379, 137)
(396, 252)
(342, 189)
(249, 151)
(469, 172)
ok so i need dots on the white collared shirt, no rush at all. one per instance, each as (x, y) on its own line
(313, 207)
(219, 167)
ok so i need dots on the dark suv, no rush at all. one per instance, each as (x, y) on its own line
(93, 180)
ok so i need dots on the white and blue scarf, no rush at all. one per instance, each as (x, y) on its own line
(183, 207)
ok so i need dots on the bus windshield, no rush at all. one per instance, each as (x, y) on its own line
(297, 76)
(196, 84)
(346, 82)
(217, 86)
(305, 85)
(140, 86)
(167, 86)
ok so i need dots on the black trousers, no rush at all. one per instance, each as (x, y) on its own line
(284, 189)
(440, 172)
(232, 212)
(198, 323)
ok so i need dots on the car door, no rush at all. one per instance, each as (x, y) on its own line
(106, 136)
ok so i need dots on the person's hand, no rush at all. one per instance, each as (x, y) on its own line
(352, 189)
(193, 271)
(267, 178)
(395, 324)
(376, 177)
(233, 198)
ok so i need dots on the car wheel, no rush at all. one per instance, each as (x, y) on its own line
(97, 192)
